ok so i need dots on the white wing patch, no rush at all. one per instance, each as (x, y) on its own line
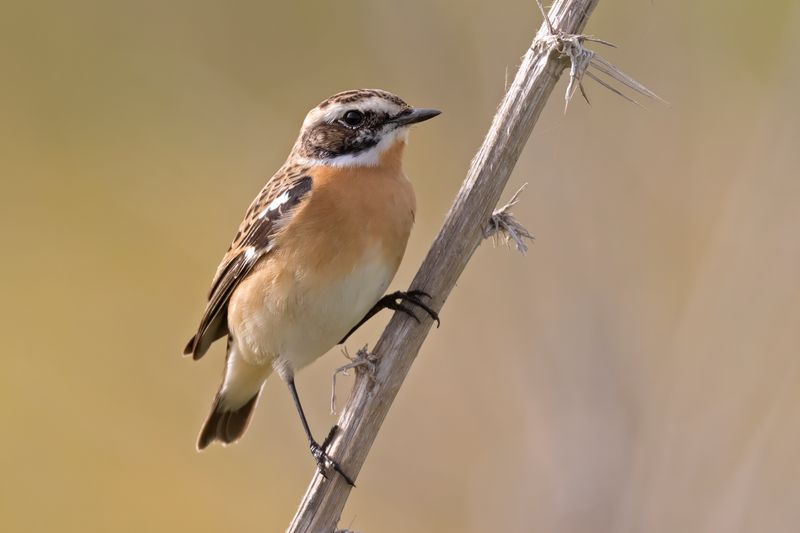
(275, 204)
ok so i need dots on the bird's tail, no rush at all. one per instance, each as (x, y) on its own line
(234, 404)
(224, 424)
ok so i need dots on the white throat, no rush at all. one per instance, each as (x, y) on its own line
(371, 157)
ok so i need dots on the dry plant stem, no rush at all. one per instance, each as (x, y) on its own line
(461, 234)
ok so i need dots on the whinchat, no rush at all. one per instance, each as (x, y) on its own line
(313, 256)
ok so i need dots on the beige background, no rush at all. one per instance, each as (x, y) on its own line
(637, 371)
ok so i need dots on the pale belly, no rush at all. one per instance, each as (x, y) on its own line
(300, 319)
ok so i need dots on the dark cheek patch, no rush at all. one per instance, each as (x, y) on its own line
(323, 141)
(362, 143)
(331, 140)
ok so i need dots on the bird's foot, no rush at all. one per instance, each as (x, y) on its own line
(396, 300)
(324, 461)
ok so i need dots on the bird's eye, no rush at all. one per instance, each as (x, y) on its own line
(353, 118)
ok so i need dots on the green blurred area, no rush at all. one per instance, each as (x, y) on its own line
(636, 371)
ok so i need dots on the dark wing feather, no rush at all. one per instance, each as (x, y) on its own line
(276, 203)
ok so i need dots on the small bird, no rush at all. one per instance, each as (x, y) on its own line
(313, 256)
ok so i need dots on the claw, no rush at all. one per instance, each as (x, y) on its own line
(324, 461)
(396, 306)
(390, 301)
(414, 297)
(329, 438)
(417, 292)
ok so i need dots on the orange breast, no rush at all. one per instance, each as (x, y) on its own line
(334, 258)
(352, 209)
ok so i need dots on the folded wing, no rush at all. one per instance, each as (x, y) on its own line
(273, 207)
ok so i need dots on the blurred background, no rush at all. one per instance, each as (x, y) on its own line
(636, 371)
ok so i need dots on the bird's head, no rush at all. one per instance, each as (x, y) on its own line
(353, 128)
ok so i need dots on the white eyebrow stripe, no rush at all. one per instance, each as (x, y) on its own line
(334, 111)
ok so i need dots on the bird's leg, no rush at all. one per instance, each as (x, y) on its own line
(324, 461)
(395, 301)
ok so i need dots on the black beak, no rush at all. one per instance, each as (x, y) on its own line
(414, 116)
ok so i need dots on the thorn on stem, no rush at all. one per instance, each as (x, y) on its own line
(363, 358)
(572, 47)
(503, 222)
